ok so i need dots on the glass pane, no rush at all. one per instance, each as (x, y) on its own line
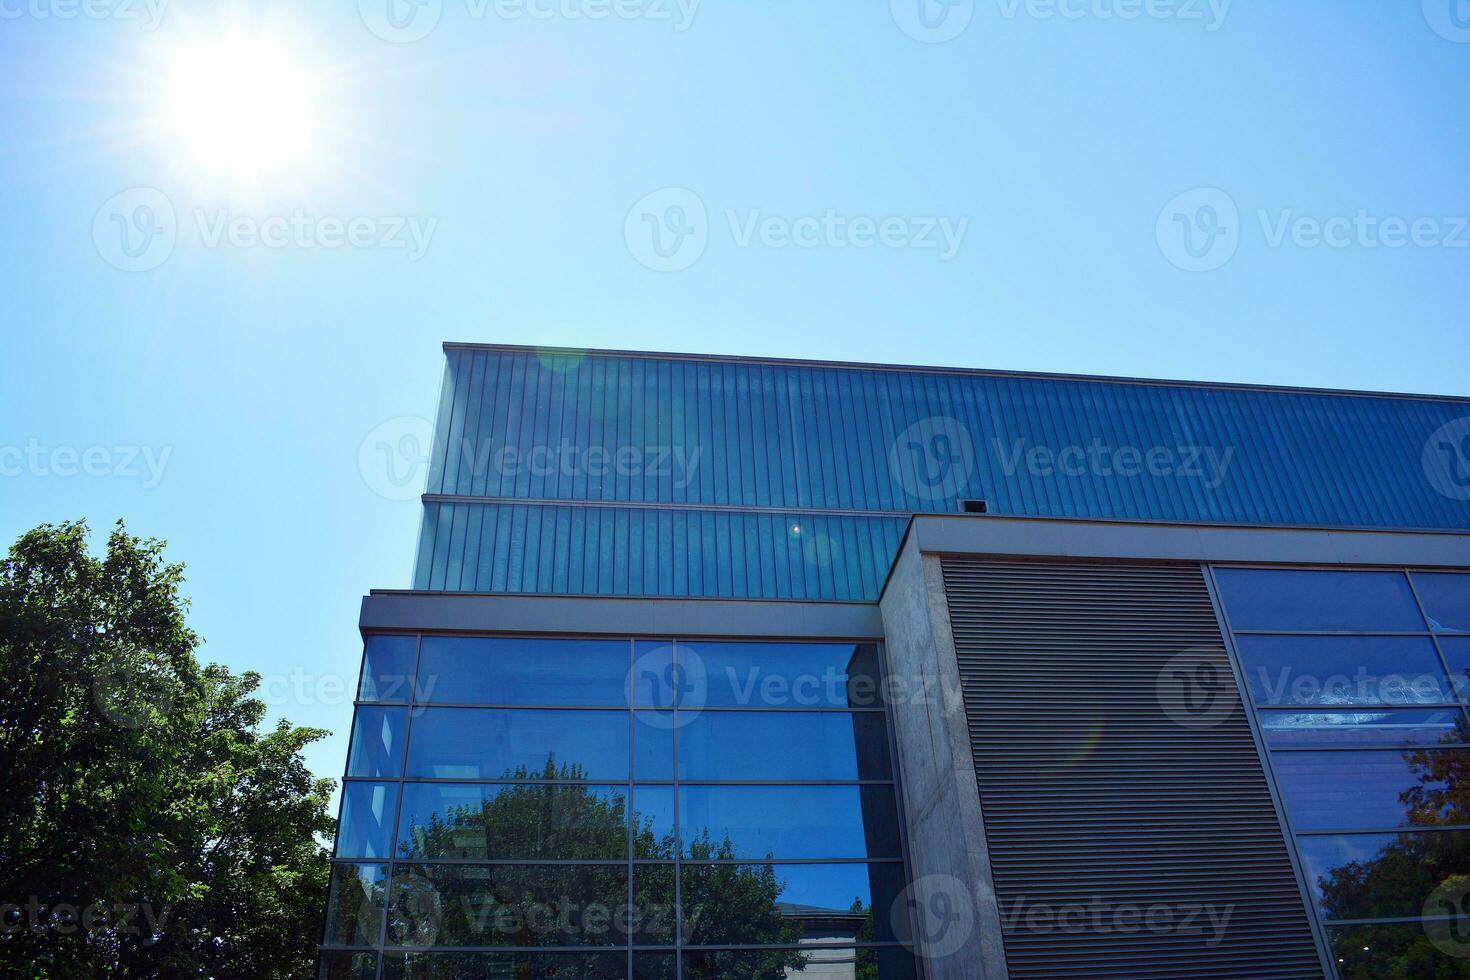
(653, 744)
(1392, 952)
(1293, 599)
(366, 827)
(1332, 670)
(347, 966)
(653, 823)
(655, 917)
(1367, 790)
(760, 822)
(502, 670)
(510, 743)
(512, 966)
(355, 905)
(508, 905)
(387, 668)
(377, 742)
(892, 963)
(656, 682)
(777, 904)
(654, 966)
(1371, 727)
(815, 745)
(1382, 876)
(1446, 598)
(1456, 651)
(783, 675)
(528, 822)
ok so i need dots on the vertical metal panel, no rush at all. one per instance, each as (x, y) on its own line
(1095, 795)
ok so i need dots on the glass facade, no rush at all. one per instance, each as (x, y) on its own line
(607, 808)
(1358, 683)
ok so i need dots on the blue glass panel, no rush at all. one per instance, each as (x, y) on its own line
(1363, 727)
(1446, 598)
(518, 743)
(506, 822)
(1381, 876)
(1456, 650)
(1337, 670)
(1373, 790)
(1292, 599)
(829, 902)
(1395, 951)
(355, 904)
(377, 742)
(496, 670)
(508, 905)
(653, 823)
(784, 745)
(366, 826)
(765, 822)
(656, 681)
(783, 675)
(653, 744)
(387, 668)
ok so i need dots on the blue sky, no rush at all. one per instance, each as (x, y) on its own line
(852, 188)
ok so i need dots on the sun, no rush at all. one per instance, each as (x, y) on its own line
(240, 105)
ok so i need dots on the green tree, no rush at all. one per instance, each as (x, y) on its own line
(148, 827)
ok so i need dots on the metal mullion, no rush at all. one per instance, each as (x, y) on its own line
(1370, 748)
(764, 709)
(1392, 920)
(1342, 633)
(678, 832)
(1428, 828)
(1268, 770)
(1455, 686)
(777, 861)
(628, 815)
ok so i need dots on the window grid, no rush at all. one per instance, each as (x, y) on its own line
(413, 708)
(1458, 687)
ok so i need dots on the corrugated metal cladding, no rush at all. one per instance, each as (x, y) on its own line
(1098, 800)
(526, 427)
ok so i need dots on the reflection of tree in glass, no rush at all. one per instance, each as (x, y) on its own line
(1397, 881)
(724, 903)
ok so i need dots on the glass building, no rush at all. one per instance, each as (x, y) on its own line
(738, 668)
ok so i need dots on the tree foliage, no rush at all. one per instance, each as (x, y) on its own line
(148, 826)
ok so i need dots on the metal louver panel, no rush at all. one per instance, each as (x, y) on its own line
(1098, 803)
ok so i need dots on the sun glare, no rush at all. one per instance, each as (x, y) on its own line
(241, 106)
